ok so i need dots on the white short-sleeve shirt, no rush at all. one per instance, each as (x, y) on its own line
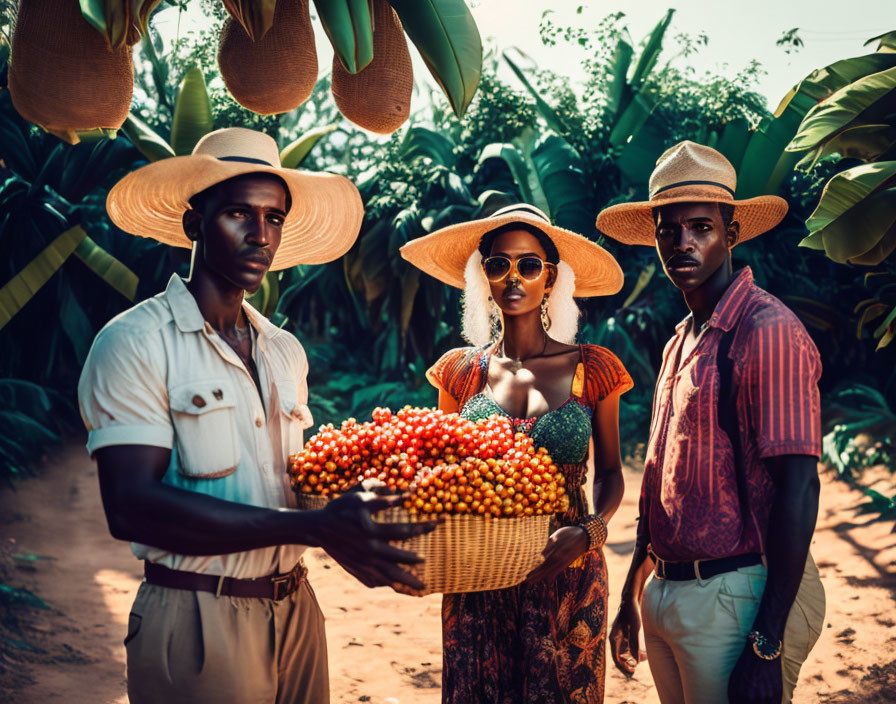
(158, 374)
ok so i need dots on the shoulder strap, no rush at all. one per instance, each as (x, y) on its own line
(727, 417)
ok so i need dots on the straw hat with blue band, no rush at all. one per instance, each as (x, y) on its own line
(444, 253)
(690, 173)
(322, 224)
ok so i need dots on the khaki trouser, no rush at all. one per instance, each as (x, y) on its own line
(191, 647)
(695, 631)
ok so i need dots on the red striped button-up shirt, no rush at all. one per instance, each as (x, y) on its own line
(689, 494)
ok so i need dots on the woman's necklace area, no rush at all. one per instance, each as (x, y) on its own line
(516, 363)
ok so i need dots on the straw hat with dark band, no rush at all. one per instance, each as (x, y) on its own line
(322, 224)
(444, 253)
(690, 173)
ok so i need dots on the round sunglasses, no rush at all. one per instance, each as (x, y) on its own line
(498, 267)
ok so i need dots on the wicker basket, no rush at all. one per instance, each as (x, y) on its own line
(379, 97)
(276, 73)
(62, 74)
(311, 502)
(471, 553)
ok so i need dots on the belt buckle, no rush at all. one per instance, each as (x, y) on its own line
(288, 581)
(291, 581)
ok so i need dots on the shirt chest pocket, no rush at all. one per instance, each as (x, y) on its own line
(295, 417)
(204, 417)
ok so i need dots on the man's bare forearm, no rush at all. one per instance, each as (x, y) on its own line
(791, 525)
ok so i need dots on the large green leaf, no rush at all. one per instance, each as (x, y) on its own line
(885, 42)
(651, 52)
(430, 144)
(120, 21)
(734, 140)
(875, 93)
(516, 162)
(855, 213)
(144, 138)
(618, 89)
(256, 16)
(348, 26)
(550, 116)
(22, 287)
(294, 154)
(192, 113)
(864, 142)
(848, 188)
(108, 268)
(447, 38)
(560, 173)
(826, 81)
(632, 119)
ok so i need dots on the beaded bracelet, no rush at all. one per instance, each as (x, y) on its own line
(596, 528)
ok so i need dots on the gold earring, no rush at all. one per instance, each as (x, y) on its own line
(545, 318)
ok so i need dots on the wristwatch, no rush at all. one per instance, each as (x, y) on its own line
(763, 647)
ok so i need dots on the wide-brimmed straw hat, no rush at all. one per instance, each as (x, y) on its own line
(690, 173)
(322, 224)
(444, 253)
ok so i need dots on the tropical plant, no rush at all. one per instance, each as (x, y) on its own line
(855, 220)
(443, 31)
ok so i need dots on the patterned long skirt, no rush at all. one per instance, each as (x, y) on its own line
(534, 643)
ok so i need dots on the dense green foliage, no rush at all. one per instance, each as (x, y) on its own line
(371, 323)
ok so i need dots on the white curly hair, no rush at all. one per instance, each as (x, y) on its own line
(482, 318)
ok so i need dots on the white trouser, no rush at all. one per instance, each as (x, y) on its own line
(696, 630)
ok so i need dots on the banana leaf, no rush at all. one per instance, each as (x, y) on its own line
(145, 140)
(120, 21)
(427, 143)
(734, 140)
(824, 82)
(516, 162)
(22, 287)
(294, 154)
(192, 113)
(348, 24)
(108, 268)
(618, 89)
(256, 16)
(886, 42)
(632, 119)
(559, 169)
(848, 188)
(883, 249)
(651, 52)
(447, 38)
(852, 218)
(864, 142)
(870, 99)
(550, 116)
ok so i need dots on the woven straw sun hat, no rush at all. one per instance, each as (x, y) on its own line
(322, 224)
(690, 173)
(444, 253)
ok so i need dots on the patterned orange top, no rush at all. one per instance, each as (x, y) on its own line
(689, 492)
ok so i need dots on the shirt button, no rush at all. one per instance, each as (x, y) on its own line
(258, 422)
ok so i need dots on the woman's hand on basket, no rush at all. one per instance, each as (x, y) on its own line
(347, 531)
(563, 548)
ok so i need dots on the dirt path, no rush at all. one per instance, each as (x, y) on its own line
(385, 648)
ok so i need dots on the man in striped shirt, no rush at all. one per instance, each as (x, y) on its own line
(730, 491)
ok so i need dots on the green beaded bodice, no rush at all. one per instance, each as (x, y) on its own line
(564, 432)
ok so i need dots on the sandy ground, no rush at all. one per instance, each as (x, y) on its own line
(384, 647)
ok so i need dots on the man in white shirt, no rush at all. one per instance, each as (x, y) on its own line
(193, 402)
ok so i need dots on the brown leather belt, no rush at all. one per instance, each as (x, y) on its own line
(274, 586)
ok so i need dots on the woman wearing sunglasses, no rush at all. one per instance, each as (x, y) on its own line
(542, 640)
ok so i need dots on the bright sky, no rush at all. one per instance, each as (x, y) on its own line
(738, 32)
